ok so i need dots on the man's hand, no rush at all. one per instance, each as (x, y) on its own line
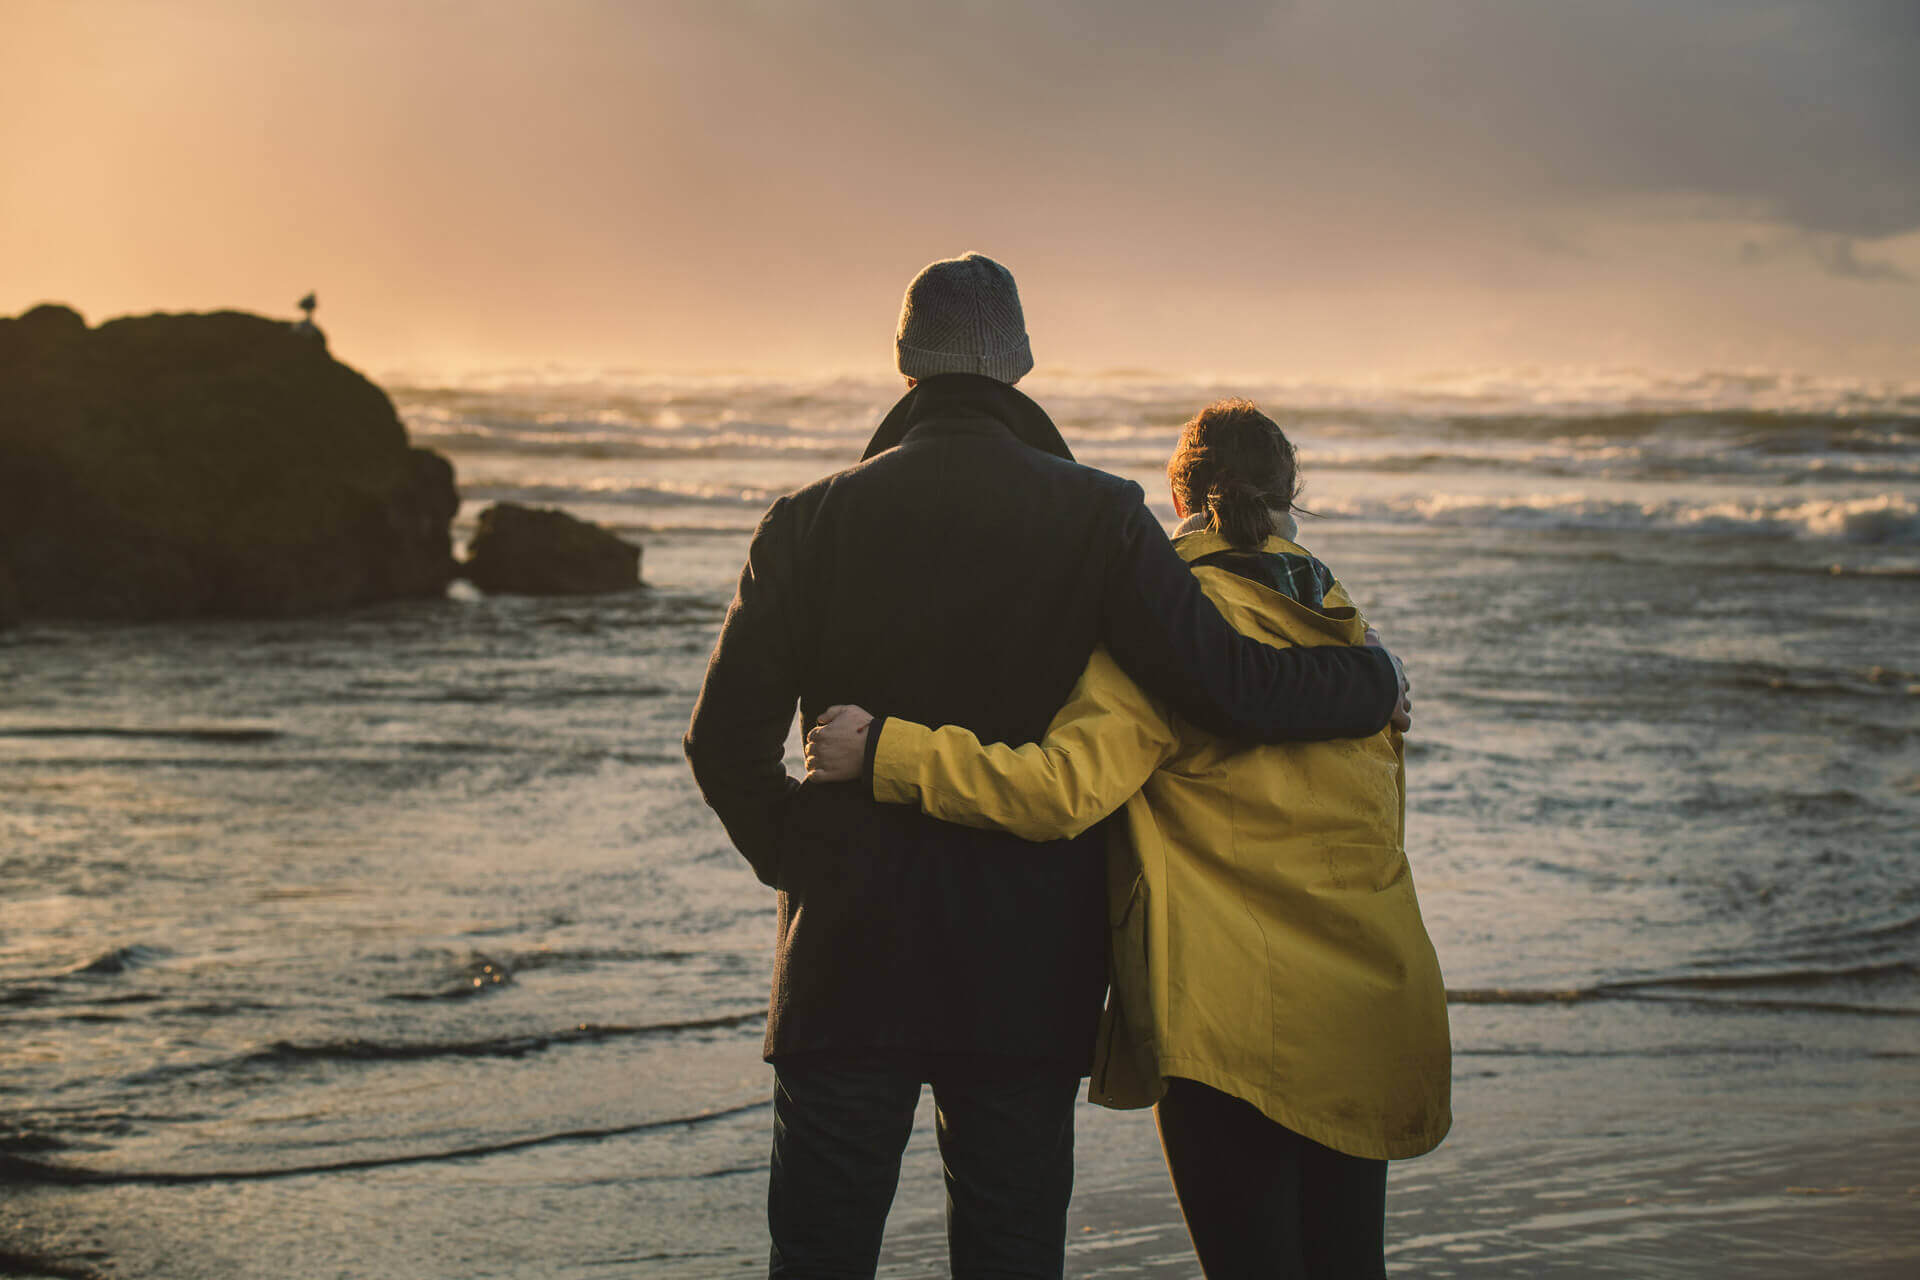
(1403, 713)
(837, 745)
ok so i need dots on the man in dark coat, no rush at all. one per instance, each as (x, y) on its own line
(961, 573)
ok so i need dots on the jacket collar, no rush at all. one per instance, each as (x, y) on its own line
(1205, 542)
(968, 395)
(1341, 623)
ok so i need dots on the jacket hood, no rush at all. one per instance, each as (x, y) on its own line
(1274, 611)
(953, 393)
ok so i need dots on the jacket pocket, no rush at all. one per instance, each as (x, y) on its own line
(1125, 1072)
(1127, 951)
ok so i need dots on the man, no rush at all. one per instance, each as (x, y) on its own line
(961, 573)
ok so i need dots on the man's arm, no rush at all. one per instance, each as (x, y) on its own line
(736, 742)
(1167, 635)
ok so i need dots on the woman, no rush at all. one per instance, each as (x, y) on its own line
(1275, 994)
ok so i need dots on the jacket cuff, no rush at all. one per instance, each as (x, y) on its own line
(894, 754)
(874, 730)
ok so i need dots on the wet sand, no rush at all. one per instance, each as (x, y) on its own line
(1633, 1203)
(1562, 1162)
(1685, 1130)
(1784, 1212)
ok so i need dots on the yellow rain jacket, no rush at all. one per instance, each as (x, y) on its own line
(1265, 935)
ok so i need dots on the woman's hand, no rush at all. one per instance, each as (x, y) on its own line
(837, 746)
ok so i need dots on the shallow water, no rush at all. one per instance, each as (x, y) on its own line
(398, 942)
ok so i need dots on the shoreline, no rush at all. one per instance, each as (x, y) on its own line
(1552, 1169)
(1695, 1154)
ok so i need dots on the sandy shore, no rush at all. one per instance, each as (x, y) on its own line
(1562, 1172)
(1628, 1201)
(1522, 1190)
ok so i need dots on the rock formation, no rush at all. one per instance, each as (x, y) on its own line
(540, 551)
(224, 464)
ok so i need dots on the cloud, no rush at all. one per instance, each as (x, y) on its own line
(1835, 255)
(1806, 111)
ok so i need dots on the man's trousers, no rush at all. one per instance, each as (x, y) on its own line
(1005, 1130)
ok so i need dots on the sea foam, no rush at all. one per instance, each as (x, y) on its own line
(1888, 519)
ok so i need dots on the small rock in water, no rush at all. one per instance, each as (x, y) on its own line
(542, 551)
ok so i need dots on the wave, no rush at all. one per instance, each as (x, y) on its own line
(1809, 977)
(589, 957)
(13, 1262)
(1741, 427)
(1647, 445)
(1691, 424)
(285, 1051)
(1906, 927)
(557, 694)
(733, 446)
(1885, 572)
(1068, 393)
(482, 980)
(121, 960)
(1759, 562)
(1721, 990)
(19, 1140)
(1890, 519)
(713, 528)
(1886, 519)
(624, 493)
(1612, 463)
(237, 735)
(282, 1054)
(1873, 682)
(17, 1171)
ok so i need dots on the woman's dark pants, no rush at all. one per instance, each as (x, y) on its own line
(1262, 1201)
(1006, 1143)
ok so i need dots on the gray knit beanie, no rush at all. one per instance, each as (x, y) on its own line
(962, 315)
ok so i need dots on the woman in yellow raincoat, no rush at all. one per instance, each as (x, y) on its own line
(1274, 991)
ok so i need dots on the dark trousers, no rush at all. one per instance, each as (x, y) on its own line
(1006, 1143)
(1262, 1201)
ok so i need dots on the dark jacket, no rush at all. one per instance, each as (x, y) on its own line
(963, 576)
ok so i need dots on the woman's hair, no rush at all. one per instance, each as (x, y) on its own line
(1236, 465)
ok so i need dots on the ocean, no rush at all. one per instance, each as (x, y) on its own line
(398, 942)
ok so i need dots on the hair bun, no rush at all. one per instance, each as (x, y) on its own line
(1241, 512)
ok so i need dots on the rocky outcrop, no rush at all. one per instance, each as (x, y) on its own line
(543, 552)
(182, 465)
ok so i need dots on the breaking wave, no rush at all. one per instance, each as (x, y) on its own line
(1882, 519)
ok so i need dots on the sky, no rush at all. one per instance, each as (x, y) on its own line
(1315, 188)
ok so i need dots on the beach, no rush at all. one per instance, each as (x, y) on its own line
(398, 941)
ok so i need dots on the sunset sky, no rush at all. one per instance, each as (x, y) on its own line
(1317, 188)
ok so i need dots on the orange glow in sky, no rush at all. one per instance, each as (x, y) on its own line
(1285, 189)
